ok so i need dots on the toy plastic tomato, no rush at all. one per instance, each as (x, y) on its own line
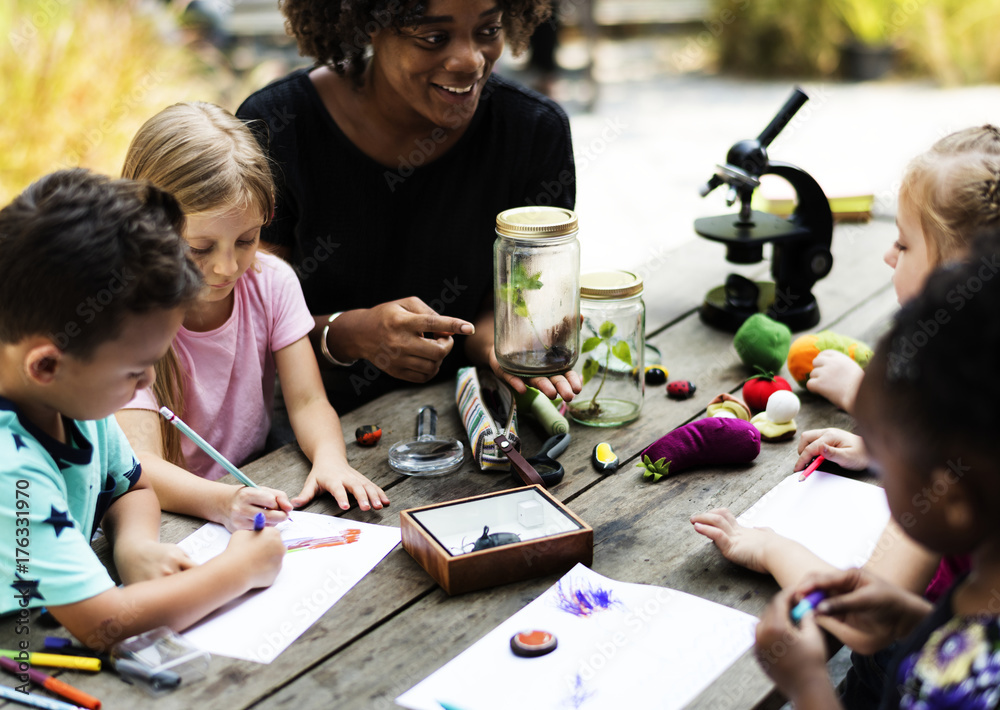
(758, 390)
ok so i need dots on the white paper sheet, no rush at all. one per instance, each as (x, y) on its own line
(837, 518)
(263, 623)
(639, 647)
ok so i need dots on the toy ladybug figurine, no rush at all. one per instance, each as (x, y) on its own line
(681, 389)
(656, 375)
(368, 435)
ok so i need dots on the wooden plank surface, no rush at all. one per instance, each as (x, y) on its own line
(631, 519)
(395, 626)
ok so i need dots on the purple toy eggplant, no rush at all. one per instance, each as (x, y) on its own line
(704, 442)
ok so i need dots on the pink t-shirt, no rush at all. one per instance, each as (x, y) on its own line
(229, 371)
(950, 569)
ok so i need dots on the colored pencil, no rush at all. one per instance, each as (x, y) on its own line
(65, 647)
(54, 685)
(816, 463)
(808, 603)
(35, 701)
(206, 447)
(53, 660)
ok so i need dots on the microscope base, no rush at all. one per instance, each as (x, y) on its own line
(719, 312)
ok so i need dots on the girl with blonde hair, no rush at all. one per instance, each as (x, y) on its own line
(250, 323)
(949, 194)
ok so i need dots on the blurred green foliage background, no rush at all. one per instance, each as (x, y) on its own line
(952, 41)
(80, 77)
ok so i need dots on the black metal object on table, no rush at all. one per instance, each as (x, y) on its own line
(800, 244)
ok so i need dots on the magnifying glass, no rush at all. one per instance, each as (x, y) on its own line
(544, 462)
(428, 454)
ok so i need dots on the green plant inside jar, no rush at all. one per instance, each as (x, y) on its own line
(620, 350)
(513, 293)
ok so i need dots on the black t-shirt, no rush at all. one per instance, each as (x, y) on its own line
(361, 234)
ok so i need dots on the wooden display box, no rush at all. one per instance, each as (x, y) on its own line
(441, 538)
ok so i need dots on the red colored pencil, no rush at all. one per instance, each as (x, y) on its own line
(812, 467)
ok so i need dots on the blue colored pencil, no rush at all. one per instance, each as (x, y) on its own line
(808, 603)
(206, 447)
(35, 701)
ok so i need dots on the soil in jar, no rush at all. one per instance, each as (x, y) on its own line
(557, 357)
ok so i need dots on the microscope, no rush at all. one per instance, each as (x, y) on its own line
(800, 254)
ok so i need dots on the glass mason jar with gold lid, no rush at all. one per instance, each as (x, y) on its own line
(611, 362)
(536, 290)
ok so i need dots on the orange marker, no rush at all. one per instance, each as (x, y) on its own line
(54, 685)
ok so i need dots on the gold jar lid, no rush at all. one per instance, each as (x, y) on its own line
(537, 221)
(609, 285)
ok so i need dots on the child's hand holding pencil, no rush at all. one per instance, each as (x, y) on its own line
(837, 446)
(864, 611)
(245, 503)
(259, 554)
(793, 654)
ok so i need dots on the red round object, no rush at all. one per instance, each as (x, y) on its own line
(368, 435)
(757, 390)
(681, 389)
(535, 642)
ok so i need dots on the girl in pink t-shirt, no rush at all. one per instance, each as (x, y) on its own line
(250, 324)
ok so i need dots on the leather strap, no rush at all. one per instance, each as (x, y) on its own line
(524, 469)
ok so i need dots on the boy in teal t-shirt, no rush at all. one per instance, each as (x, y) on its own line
(60, 493)
(95, 282)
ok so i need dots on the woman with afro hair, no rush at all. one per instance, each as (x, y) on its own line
(393, 154)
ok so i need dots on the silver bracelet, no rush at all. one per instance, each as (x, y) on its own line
(323, 348)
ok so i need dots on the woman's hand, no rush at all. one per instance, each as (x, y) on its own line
(406, 339)
(480, 350)
(565, 386)
(836, 445)
(737, 543)
(836, 377)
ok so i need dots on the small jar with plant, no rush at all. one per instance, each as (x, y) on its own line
(611, 365)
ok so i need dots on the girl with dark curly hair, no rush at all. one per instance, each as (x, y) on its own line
(393, 155)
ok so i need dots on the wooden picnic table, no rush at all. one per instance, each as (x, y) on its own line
(396, 626)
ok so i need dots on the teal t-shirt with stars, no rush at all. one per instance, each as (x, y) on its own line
(52, 499)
